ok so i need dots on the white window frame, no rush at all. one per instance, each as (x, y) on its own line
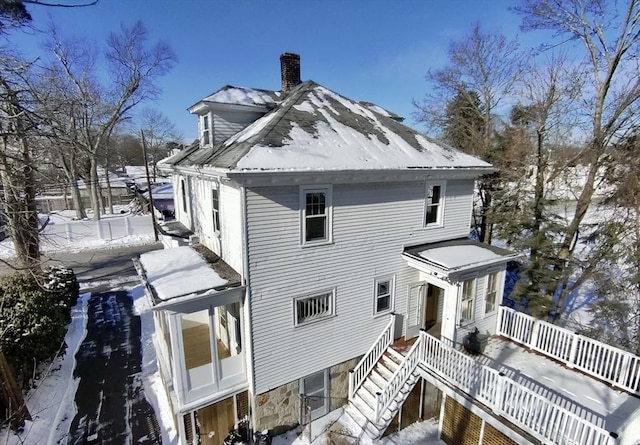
(472, 299)
(497, 274)
(215, 210)
(328, 215)
(439, 222)
(331, 312)
(392, 287)
(206, 133)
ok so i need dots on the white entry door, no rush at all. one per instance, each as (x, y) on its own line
(415, 310)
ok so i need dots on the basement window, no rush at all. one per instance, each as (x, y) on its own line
(314, 308)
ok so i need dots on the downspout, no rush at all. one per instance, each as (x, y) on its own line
(248, 321)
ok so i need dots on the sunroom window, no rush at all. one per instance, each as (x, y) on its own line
(492, 292)
(468, 290)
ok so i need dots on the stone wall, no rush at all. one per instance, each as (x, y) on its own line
(339, 382)
(278, 410)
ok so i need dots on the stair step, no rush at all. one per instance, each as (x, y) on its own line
(371, 386)
(396, 355)
(389, 362)
(367, 397)
(362, 406)
(380, 381)
(384, 371)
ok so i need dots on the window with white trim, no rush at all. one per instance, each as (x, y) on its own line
(492, 292)
(315, 205)
(466, 305)
(206, 130)
(383, 293)
(314, 307)
(434, 204)
(215, 208)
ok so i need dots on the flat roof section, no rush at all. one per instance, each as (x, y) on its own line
(459, 255)
(179, 271)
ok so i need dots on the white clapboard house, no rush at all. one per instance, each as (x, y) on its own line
(333, 269)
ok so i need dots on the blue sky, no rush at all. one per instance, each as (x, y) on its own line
(372, 50)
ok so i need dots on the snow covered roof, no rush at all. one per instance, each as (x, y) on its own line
(315, 129)
(459, 255)
(182, 272)
(234, 95)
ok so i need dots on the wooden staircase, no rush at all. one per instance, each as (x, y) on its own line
(361, 408)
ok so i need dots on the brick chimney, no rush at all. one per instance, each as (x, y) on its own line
(290, 70)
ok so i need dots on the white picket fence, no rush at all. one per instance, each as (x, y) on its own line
(105, 229)
(605, 362)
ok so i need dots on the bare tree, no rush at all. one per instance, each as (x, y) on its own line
(482, 72)
(93, 108)
(158, 132)
(609, 34)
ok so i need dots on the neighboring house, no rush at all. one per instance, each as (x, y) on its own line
(328, 230)
(162, 200)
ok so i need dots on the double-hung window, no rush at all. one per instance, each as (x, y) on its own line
(492, 292)
(466, 306)
(434, 204)
(206, 130)
(383, 295)
(315, 205)
(215, 206)
(314, 307)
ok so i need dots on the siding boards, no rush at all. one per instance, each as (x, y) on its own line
(228, 123)
(371, 224)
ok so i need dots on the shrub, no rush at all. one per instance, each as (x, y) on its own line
(34, 313)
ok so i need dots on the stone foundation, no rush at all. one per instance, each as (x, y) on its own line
(278, 410)
(339, 382)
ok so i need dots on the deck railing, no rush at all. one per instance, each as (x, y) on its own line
(539, 417)
(371, 357)
(605, 362)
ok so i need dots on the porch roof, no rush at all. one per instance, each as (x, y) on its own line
(182, 273)
(458, 255)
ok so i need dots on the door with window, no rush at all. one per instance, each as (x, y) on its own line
(315, 389)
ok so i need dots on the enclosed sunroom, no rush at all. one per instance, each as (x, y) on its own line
(199, 314)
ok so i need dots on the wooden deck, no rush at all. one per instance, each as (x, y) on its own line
(197, 347)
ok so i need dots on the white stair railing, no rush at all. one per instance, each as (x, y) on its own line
(371, 357)
(385, 397)
(605, 362)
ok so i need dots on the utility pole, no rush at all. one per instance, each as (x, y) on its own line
(146, 168)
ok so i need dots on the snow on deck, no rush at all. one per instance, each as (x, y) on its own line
(179, 271)
(593, 400)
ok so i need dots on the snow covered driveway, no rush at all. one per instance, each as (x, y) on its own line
(110, 401)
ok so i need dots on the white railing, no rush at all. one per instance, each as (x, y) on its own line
(385, 397)
(605, 362)
(532, 412)
(371, 357)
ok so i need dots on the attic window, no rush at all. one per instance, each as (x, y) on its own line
(206, 130)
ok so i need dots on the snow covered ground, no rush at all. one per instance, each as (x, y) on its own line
(85, 236)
